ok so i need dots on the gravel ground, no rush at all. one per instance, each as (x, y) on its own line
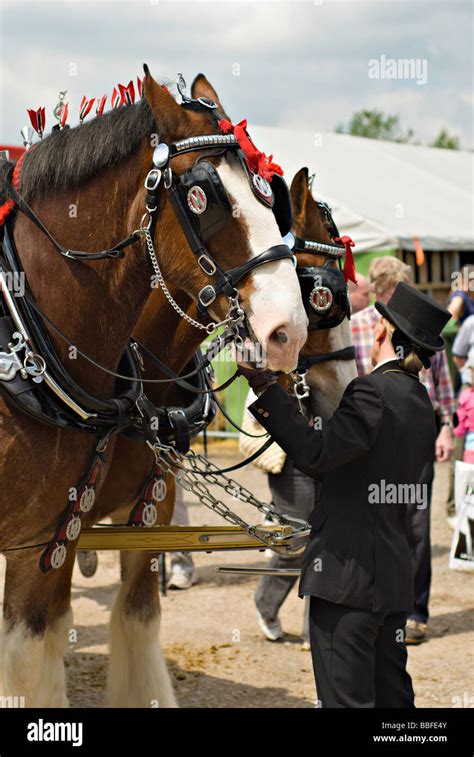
(215, 650)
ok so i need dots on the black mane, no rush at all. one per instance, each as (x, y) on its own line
(71, 156)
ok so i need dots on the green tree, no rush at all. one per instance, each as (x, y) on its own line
(373, 124)
(446, 141)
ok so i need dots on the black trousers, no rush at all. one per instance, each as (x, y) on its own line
(418, 533)
(359, 657)
(293, 493)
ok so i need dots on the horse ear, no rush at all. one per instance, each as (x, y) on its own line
(299, 193)
(202, 88)
(168, 114)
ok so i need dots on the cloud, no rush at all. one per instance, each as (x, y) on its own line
(295, 60)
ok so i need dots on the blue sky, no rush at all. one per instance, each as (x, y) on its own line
(302, 63)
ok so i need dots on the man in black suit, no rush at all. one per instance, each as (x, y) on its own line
(357, 566)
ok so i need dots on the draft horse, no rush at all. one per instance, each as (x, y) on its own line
(85, 188)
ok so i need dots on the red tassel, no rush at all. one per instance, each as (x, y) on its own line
(38, 120)
(115, 99)
(349, 271)
(85, 107)
(8, 206)
(127, 94)
(257, 161)
(64, 112)
(100, 105)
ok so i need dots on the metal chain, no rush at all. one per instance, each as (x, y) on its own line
(234, 316)
(189, 480)
(231, 486)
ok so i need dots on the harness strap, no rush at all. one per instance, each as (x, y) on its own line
(235, 275)
(234, 424)
(180, 426)
(202, 365)
(113, 253)
(69, 525)
(306, 361)
(242, 464)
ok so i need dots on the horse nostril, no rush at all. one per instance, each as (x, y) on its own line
(281, 336)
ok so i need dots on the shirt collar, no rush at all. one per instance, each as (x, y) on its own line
(383, 362)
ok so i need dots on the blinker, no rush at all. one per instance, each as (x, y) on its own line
(325, 296)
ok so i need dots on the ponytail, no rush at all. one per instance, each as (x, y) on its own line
(411, 357)
(411, 363)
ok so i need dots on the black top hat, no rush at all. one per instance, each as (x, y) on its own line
(417, 316)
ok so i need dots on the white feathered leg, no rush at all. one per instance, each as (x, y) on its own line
(138, 674)
(32, 666)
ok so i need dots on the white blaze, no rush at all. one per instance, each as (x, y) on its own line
(275, 303)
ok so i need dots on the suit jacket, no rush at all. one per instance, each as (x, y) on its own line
(369, 455)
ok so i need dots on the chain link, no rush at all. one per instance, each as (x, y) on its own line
(231, 486)
(234, 316)
(188, 479)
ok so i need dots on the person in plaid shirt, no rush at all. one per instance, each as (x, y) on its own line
(384, 275)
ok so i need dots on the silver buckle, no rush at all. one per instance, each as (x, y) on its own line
(211, 269)
(206, 301)
(153, 179)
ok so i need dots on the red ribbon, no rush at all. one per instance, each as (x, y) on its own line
(349, 271)
(8, 206)
(257, 161)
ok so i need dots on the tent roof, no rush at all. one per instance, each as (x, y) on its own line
(383, 193)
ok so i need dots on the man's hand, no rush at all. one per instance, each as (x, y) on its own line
(444, 446)
(258, 379)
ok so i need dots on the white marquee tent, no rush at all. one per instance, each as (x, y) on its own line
(383, 194)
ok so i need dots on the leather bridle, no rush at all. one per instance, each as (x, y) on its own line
(324, 284)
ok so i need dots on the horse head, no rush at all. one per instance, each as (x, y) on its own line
(218, 237)
(329, 329)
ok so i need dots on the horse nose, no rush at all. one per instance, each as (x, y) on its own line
(283, 344)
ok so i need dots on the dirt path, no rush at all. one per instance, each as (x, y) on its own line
(216, 653)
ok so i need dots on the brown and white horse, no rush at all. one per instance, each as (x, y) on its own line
(86, 185)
